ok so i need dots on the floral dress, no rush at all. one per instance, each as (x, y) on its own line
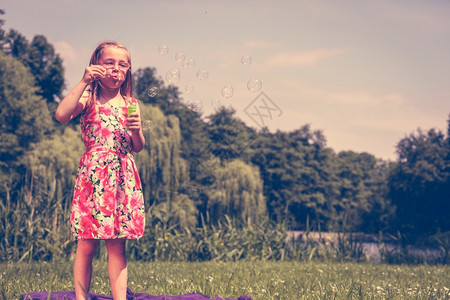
(108, 202)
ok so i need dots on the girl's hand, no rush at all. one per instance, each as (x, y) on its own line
(93, 72)
(134, 122)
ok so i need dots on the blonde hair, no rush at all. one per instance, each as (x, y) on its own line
(126, 89)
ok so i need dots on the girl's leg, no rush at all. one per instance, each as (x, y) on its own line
(82, 268)
(117, 268)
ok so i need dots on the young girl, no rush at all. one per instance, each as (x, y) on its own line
(107, 202)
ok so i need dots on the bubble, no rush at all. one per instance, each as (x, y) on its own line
(254, 85)
(227, 91)
(188, 63)
(163, 49)
(180, 57)
(195, 105)
(153, 91)
(216, 104)
(202, 74)
(173, 76)
(146, 125)
(246, 60)
(189, 88)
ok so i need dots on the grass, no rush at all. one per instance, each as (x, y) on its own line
(258, 279)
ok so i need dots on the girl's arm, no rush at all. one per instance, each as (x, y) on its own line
(73, 104)
(137, 137)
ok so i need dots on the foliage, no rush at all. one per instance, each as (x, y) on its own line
(24, 116)
(236, 192)
(35, 223)
(159, 162)
(230, 137)
(419, 185)
(298, 176)
(24, 119)
(363, 194)
(40, 58)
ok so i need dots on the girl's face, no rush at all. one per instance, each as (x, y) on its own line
(116, 63)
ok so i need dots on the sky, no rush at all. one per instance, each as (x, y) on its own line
(365, 73)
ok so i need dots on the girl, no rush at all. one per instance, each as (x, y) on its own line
(107, 202)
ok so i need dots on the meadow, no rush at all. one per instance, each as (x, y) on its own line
(257, 279)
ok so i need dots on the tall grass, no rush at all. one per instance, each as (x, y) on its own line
(36, 228)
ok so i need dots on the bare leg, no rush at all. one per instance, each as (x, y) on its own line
(82, 268)
(117, 268)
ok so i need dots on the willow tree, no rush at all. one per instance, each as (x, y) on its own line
(237, 192)
(162, 170)
(44, 206)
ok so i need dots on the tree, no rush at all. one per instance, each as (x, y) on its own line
(15, 45)
(363, 192)
(2, 32)
(193, 137)
(24, 119)
(24, 116)
(419, 184)
(230, 138)
(40, 57)
(53, 164)
(236, 192)
(46, 66)
(162, 170)
(298, 175)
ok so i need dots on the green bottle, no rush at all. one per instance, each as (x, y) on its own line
(131, 109)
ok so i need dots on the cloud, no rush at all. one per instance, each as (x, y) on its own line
(66, 51)
(364, 98)
(353, 97)
(262, 44)
(416, 14)
(302, 58)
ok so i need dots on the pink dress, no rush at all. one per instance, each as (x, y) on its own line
(107, 201)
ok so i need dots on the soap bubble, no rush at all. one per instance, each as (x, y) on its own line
(146, 125)
(195, 105)
(180, 57)
(254, 85)
(246, 60)
(153, 91)
(163, 50)
(173, 76)
(188, 63)
(189, 88)
(227, 91)
(202, 74)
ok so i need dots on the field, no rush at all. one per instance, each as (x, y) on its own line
(258, 279)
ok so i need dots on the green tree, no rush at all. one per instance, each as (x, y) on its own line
(15, 45)
(46, 67)
(363, 201)
(236, 192)
(419, 184)
(162, 169)
(40, 57)
(2, 32)
(24, 116)
(298, 176)
(54, 164)
(193, 137)
(230, 137)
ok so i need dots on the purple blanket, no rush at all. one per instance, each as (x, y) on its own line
(70, 295)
